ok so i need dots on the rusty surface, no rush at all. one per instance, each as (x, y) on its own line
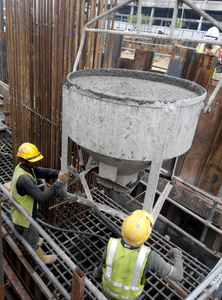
(179, 61)
(15, 283)
(1, 260)
(202, 164)
(178, 288)
(201, 68)
(143, 60)
(78, 284)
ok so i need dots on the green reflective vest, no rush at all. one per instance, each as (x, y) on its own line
(123, 270)
(26, 201)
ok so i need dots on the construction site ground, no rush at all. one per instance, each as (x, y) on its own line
(83, 235)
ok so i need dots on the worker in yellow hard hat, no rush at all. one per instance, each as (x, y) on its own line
(25, 191)
(126, 261)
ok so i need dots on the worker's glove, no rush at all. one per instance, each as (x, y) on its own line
(73, 169)
(176, 256)
(175, 253)
(210, 53)
(97, 274)
(63, 177)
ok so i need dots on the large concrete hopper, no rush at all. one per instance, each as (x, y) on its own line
(127, 119)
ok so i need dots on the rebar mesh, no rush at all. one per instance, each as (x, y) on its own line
(85, 250)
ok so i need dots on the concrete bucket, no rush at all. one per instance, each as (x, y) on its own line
(124, 118)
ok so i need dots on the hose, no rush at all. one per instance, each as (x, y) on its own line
(72, 231)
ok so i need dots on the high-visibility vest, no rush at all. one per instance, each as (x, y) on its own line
(26, 201)
(200, 49)
(123, 270)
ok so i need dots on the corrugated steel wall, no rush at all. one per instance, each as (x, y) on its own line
(42, 40)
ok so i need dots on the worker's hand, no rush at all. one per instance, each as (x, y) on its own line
(96, 273)
(210, 53)
(174, 252)
(73, 169)
(63, 177)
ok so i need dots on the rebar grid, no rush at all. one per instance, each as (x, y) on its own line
(6, 160)
(86, 250)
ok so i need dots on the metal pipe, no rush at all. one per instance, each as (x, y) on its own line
(157, 159)
(202, 13)
(210, 217)
(206, 222)
(139, 18)
(36, 258)
(54, 246)
(173, 23)
(202, 192)
(212, 97)
(214, 286)
(85, 201)
(154, 35)
(2, 297)
(88, 24)
(161, 200)
(196, 292)
(158, 36)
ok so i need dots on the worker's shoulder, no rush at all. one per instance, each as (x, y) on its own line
(24, 179)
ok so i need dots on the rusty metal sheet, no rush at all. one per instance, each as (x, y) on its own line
(143, 60)
(201, 68)
(15, 282)
(78, 284)
(179, 61)
(125, 63)
(202, 164)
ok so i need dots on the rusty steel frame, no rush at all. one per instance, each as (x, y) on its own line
(86, 251)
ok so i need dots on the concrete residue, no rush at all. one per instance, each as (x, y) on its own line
(135, 89)
(131, 85)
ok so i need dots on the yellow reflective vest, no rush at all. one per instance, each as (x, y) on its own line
(26, 201)
(200, 49)
(123, 270)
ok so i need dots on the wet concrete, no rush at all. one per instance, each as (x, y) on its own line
(139, 87)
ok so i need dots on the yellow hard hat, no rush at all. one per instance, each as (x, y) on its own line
(137, 227)
(146, 214)
(29, 152)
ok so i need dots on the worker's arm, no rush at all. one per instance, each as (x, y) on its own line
(45, 173)
(158, 265)
(26, 185)
(98, 271)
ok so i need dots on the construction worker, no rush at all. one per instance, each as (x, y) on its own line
(211, 50)
(126, 261)
(25, 191)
